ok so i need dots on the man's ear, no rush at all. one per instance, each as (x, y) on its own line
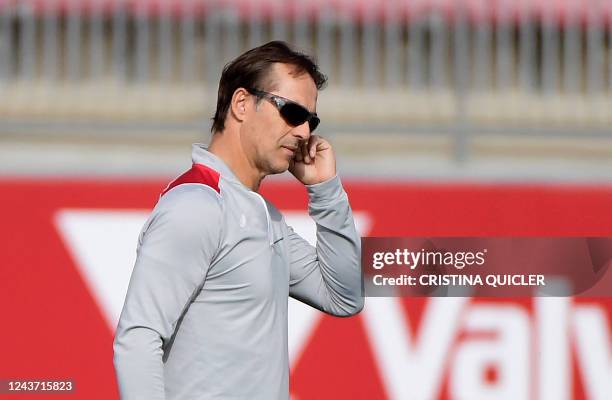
(238, 105)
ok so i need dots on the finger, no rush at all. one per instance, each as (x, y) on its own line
(313, 141)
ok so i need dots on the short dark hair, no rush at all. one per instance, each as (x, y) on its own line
(252, 70)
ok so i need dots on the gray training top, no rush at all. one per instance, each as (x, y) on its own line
(205, 316)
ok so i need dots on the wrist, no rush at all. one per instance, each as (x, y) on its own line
(325, 191)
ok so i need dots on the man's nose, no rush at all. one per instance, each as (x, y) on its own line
(302, 131)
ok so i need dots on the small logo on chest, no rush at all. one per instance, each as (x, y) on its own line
(243, 221)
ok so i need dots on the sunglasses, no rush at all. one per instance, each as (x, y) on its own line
(291, 111)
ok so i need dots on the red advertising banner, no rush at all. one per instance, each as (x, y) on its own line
(67, 248)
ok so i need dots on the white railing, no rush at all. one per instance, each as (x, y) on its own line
(477, 63)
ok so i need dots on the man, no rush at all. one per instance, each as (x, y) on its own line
(205, 315)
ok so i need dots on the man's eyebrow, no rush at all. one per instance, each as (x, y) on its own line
(298, 102)
(308, 108)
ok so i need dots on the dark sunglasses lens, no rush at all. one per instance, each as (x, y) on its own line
(313, 123)
(294, 114)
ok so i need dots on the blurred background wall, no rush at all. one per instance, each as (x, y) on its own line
(421, 88)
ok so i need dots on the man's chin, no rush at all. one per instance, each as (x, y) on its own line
(279, 168)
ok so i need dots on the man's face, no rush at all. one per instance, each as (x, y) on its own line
(268, 140)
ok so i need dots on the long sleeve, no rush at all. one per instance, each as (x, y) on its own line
(329, 276)
(176, 248)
